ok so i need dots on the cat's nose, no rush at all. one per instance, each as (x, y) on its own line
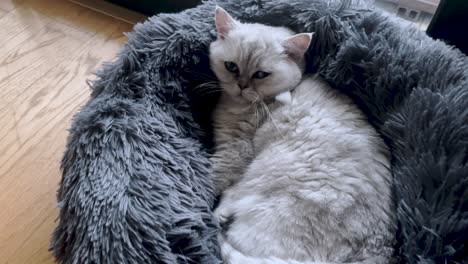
(243, 86)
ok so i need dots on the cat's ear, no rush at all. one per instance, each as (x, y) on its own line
(297, 45)
(224, 22)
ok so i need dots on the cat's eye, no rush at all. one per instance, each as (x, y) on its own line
(231, 66)
(261, 74)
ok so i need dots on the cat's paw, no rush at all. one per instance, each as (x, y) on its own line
(224, 217)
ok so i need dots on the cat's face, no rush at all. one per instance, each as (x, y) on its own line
(254, 61)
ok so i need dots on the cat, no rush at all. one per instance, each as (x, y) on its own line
(304, 179)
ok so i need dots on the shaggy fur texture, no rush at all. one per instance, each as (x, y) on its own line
(136, 187)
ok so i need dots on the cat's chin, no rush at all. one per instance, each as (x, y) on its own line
(241, 100)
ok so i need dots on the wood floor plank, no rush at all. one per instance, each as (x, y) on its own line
(57, 61)
(49, 49)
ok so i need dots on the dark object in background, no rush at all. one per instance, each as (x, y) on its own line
(151, 7)
(450, 23)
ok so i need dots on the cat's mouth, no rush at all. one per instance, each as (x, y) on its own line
(244, 95)
(250, 94)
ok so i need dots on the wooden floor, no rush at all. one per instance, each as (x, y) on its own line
(48, 48)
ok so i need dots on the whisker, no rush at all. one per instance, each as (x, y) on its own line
(269, 114)
(206, 86)
(254, 102)
(210, 92)
(207, 89)
(203, 75)
(210, 84)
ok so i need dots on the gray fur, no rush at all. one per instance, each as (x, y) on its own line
(115, 208)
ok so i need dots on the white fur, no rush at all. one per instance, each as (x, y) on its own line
(306, 181)
(317, 189)
(284, 98)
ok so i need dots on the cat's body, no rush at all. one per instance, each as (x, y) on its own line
(316, 185)
(303, 182)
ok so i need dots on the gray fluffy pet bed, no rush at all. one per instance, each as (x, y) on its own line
(136, 185)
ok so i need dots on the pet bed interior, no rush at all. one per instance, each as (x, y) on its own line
(136, 185)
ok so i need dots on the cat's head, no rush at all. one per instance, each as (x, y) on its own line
(254, 61)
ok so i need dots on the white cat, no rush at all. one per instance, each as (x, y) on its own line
(305, 181)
